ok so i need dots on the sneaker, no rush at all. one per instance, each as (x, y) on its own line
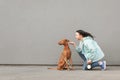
(103, 66)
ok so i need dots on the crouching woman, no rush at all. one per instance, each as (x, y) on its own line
(89, 51)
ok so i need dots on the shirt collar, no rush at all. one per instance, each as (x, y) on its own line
(85, 38)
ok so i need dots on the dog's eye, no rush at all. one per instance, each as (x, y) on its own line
(67, 40)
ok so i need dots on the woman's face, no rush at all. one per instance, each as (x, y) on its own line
(78, 36)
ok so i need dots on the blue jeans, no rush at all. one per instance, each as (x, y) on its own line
(94, 64)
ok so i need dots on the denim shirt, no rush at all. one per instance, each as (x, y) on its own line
(90, 49)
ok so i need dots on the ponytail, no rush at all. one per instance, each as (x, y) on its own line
(85, 34)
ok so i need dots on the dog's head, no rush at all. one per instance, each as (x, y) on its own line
(63, 42)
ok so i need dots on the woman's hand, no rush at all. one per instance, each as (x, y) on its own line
(89, 61)
(72, 43)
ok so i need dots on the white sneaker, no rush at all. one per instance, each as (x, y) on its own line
(103, 65)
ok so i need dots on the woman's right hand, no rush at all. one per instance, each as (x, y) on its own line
(72, 43)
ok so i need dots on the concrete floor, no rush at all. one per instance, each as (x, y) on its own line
(42, 73)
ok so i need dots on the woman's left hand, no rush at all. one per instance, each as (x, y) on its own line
(89, 61)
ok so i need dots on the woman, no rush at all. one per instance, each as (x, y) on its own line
(89, 50)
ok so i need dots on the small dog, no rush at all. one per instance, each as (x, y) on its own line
(65, 60)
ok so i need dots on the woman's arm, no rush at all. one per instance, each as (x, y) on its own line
(78, 49)
(72, 43)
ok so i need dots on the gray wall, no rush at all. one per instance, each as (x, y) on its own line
(30, 29)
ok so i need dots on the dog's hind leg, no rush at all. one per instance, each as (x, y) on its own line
(61, 65)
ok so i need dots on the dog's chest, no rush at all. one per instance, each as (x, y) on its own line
(67, 53)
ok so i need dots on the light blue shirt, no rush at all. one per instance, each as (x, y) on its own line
(90, 49)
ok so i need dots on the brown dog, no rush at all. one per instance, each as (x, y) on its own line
(65, 60)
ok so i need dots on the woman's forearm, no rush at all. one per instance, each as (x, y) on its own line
(73, 43)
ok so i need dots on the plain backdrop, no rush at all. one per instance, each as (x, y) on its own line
(30, 29)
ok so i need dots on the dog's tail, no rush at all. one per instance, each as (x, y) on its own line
(53, 68)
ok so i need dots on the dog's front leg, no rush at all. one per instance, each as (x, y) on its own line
(67, 63)
(70, 63)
